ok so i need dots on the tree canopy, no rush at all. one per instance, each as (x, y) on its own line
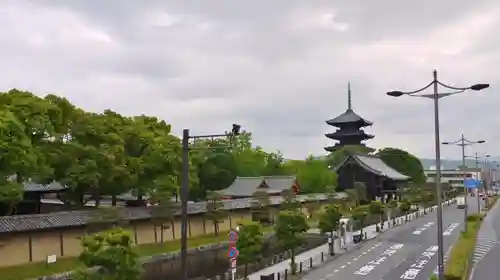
(98, 154)
(403, 162)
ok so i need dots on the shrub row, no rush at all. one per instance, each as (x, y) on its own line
(460, 256)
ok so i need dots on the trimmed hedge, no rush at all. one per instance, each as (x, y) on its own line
(460, 256)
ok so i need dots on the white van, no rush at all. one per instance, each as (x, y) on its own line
(461, 202)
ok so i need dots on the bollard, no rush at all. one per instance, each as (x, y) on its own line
(310, 262)
(322, 257)
(300, 267)
(286, 274)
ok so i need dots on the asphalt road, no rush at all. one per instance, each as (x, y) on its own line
(487, 253)
(406, 252)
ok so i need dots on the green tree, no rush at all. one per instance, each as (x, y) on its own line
(249, 244)
(392, 205)
(377, 208)
(215, 211)
(360, 214)
(329, 222)
(216, 172)
(405, 207)
(274, 164)
(18, 158)
(403, 162)
(162, 209)
(313, 175)
(111, 251)
(289, 228)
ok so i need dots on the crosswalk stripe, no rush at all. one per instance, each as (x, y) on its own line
(483, 246)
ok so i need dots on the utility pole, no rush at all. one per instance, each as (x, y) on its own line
(464, 142)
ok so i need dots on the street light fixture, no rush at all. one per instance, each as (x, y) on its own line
(436, 96)
(464, 142)
(235, 131)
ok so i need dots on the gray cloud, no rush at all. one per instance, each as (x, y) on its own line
(280, 68)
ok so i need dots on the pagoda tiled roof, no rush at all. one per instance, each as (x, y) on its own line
(342, 134)
(349, 116)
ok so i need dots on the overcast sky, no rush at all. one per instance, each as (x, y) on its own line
(279, 68)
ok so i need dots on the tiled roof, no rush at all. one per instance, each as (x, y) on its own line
(31, 186)
(376, 166)
(22, 223)
(348, 117)
(247, 186)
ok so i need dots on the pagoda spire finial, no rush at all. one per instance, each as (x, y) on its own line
(349, 101)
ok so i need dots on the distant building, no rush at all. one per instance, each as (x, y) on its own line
(349, 126)
(32, 202)
(244, 187)
(454, 177)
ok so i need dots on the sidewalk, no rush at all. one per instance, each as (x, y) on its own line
(307, 258)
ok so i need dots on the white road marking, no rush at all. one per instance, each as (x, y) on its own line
(483, 247)
(450, 229)
(329, 275)
(348, 263)
(335, 271)
(355, 259)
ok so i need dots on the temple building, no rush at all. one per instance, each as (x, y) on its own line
(380, 180)
(349, 127)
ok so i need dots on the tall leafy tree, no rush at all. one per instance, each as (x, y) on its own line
(289, 227)
(378, 209)
(110, 251)
(313, 175)
(215, 211)
(250, 242)
(403, 162)
(360, 213)
(329, 222)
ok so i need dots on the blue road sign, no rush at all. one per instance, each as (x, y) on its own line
(233, 236)
(233, 253)
(471, 183)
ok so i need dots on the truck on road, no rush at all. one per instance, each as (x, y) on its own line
(461, 202)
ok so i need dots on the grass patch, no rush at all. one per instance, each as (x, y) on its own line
(460, 256)
(491, 201)
(33, 270)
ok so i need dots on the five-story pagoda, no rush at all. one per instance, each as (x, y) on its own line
(349, 126)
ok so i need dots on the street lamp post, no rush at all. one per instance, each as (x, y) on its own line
(185, 187)
(436, 96)
(486, 181)
(463, 142)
